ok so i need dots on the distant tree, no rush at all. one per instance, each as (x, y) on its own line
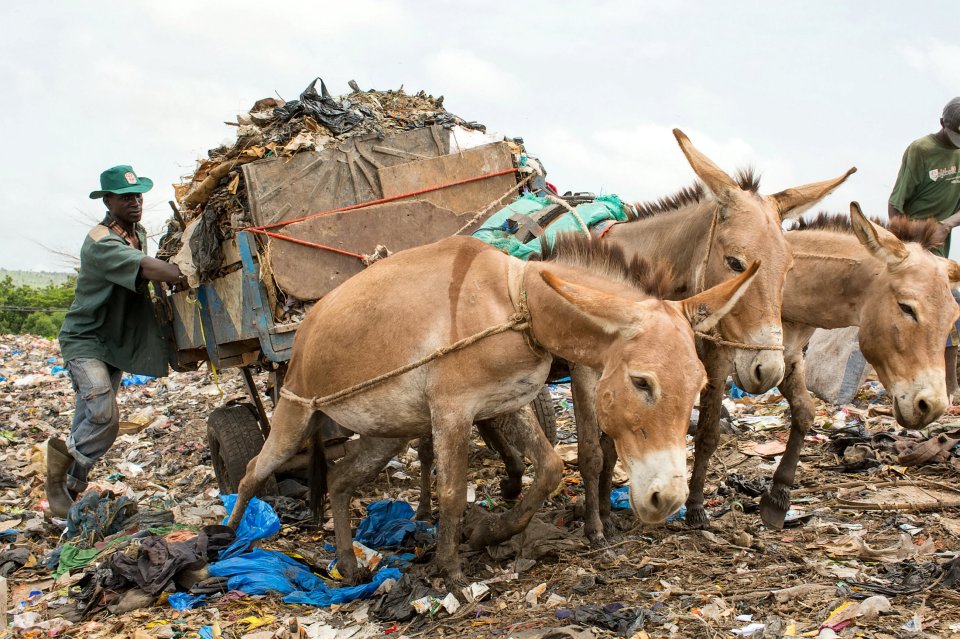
(35, 310)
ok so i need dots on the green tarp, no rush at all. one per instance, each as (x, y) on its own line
(496, 230)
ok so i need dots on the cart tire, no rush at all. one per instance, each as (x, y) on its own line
(546, 415)
(235, 438)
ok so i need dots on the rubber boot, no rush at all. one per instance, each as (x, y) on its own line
(58, 462)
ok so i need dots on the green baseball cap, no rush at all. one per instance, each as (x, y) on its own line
(119, 180)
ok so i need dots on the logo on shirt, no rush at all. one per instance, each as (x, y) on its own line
(132, 179)
(936, 174)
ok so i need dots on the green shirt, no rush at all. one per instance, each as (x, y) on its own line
(928, 185)
(112, 317)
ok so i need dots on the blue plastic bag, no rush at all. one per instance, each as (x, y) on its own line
(185, 601)
(387, 524)
(620, 498)
(261, 571)
(259, 522)
(134, 380)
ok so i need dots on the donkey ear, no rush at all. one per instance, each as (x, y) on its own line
(881, 243)
(953, 272)
(703, 311)
(714, 178)
(611, 312)
(794, 202)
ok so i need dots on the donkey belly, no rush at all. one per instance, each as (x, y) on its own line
(508, 395)
(404, 407)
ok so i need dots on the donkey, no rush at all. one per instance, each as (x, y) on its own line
(708, 234)
(896, 291)
(401, 309)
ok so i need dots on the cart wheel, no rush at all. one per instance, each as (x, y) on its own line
(235, 438)
(543, 407)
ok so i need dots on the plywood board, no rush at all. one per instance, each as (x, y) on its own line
(281, 189)
(472, 197)
(308, 273)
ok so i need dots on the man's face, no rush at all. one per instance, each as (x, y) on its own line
(126, 209)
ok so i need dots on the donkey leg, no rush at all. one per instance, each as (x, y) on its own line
(776, 501)
(708, 434)
(361, 465)
(606, 481)
(425, 455)
(522, 429)
(511, 485)
(451, 438)
(289, 428)
(583, 385)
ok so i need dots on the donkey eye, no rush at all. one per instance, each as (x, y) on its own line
(908, 311)
(641, 383)
(736, 265)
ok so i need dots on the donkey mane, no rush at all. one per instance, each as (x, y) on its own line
(747, 179)
(610, 261)
(927, 233)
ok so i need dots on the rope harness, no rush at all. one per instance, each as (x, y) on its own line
(519, 321)
(700, 285)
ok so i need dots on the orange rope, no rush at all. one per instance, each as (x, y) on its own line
(305, 242)
(263, 229)
(382, 200)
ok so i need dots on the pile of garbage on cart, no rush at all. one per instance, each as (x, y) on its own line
(867, 548)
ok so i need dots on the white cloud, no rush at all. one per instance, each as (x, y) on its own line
(937, 58)
(471, 78)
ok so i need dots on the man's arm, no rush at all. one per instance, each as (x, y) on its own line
(952, 222)
(893, 212)
(159, 271)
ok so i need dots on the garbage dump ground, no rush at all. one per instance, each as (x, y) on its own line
(869, 548)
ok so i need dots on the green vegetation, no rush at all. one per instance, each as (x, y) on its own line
(33, 309)
(37, 279)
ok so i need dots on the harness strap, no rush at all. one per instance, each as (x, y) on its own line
(701, 277)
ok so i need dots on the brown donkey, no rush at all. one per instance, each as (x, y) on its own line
(415, 302)
(897, 292)
(708, 234)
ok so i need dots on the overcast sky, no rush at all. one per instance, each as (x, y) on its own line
(799, 90)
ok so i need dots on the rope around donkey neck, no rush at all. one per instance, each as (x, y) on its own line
(519, 321)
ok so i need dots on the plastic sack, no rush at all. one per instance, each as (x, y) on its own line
(388, 523)
(259, 522)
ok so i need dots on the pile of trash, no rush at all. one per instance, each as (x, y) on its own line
(274, 128)
(869, 546)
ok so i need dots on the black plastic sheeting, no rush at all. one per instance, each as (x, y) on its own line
(339, 117)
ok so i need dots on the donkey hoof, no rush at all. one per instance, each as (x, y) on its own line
(773, 511)
(510, 489)
(455, 582)
(596, 539)
(697, 518)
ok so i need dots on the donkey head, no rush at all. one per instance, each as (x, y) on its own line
(747, 227)
(906, 317)
(650, 377)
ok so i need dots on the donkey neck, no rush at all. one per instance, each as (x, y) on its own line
(681, 237)
(556, 325)
(831, 279)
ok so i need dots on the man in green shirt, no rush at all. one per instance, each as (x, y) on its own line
(110, 328)
(928, 186)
